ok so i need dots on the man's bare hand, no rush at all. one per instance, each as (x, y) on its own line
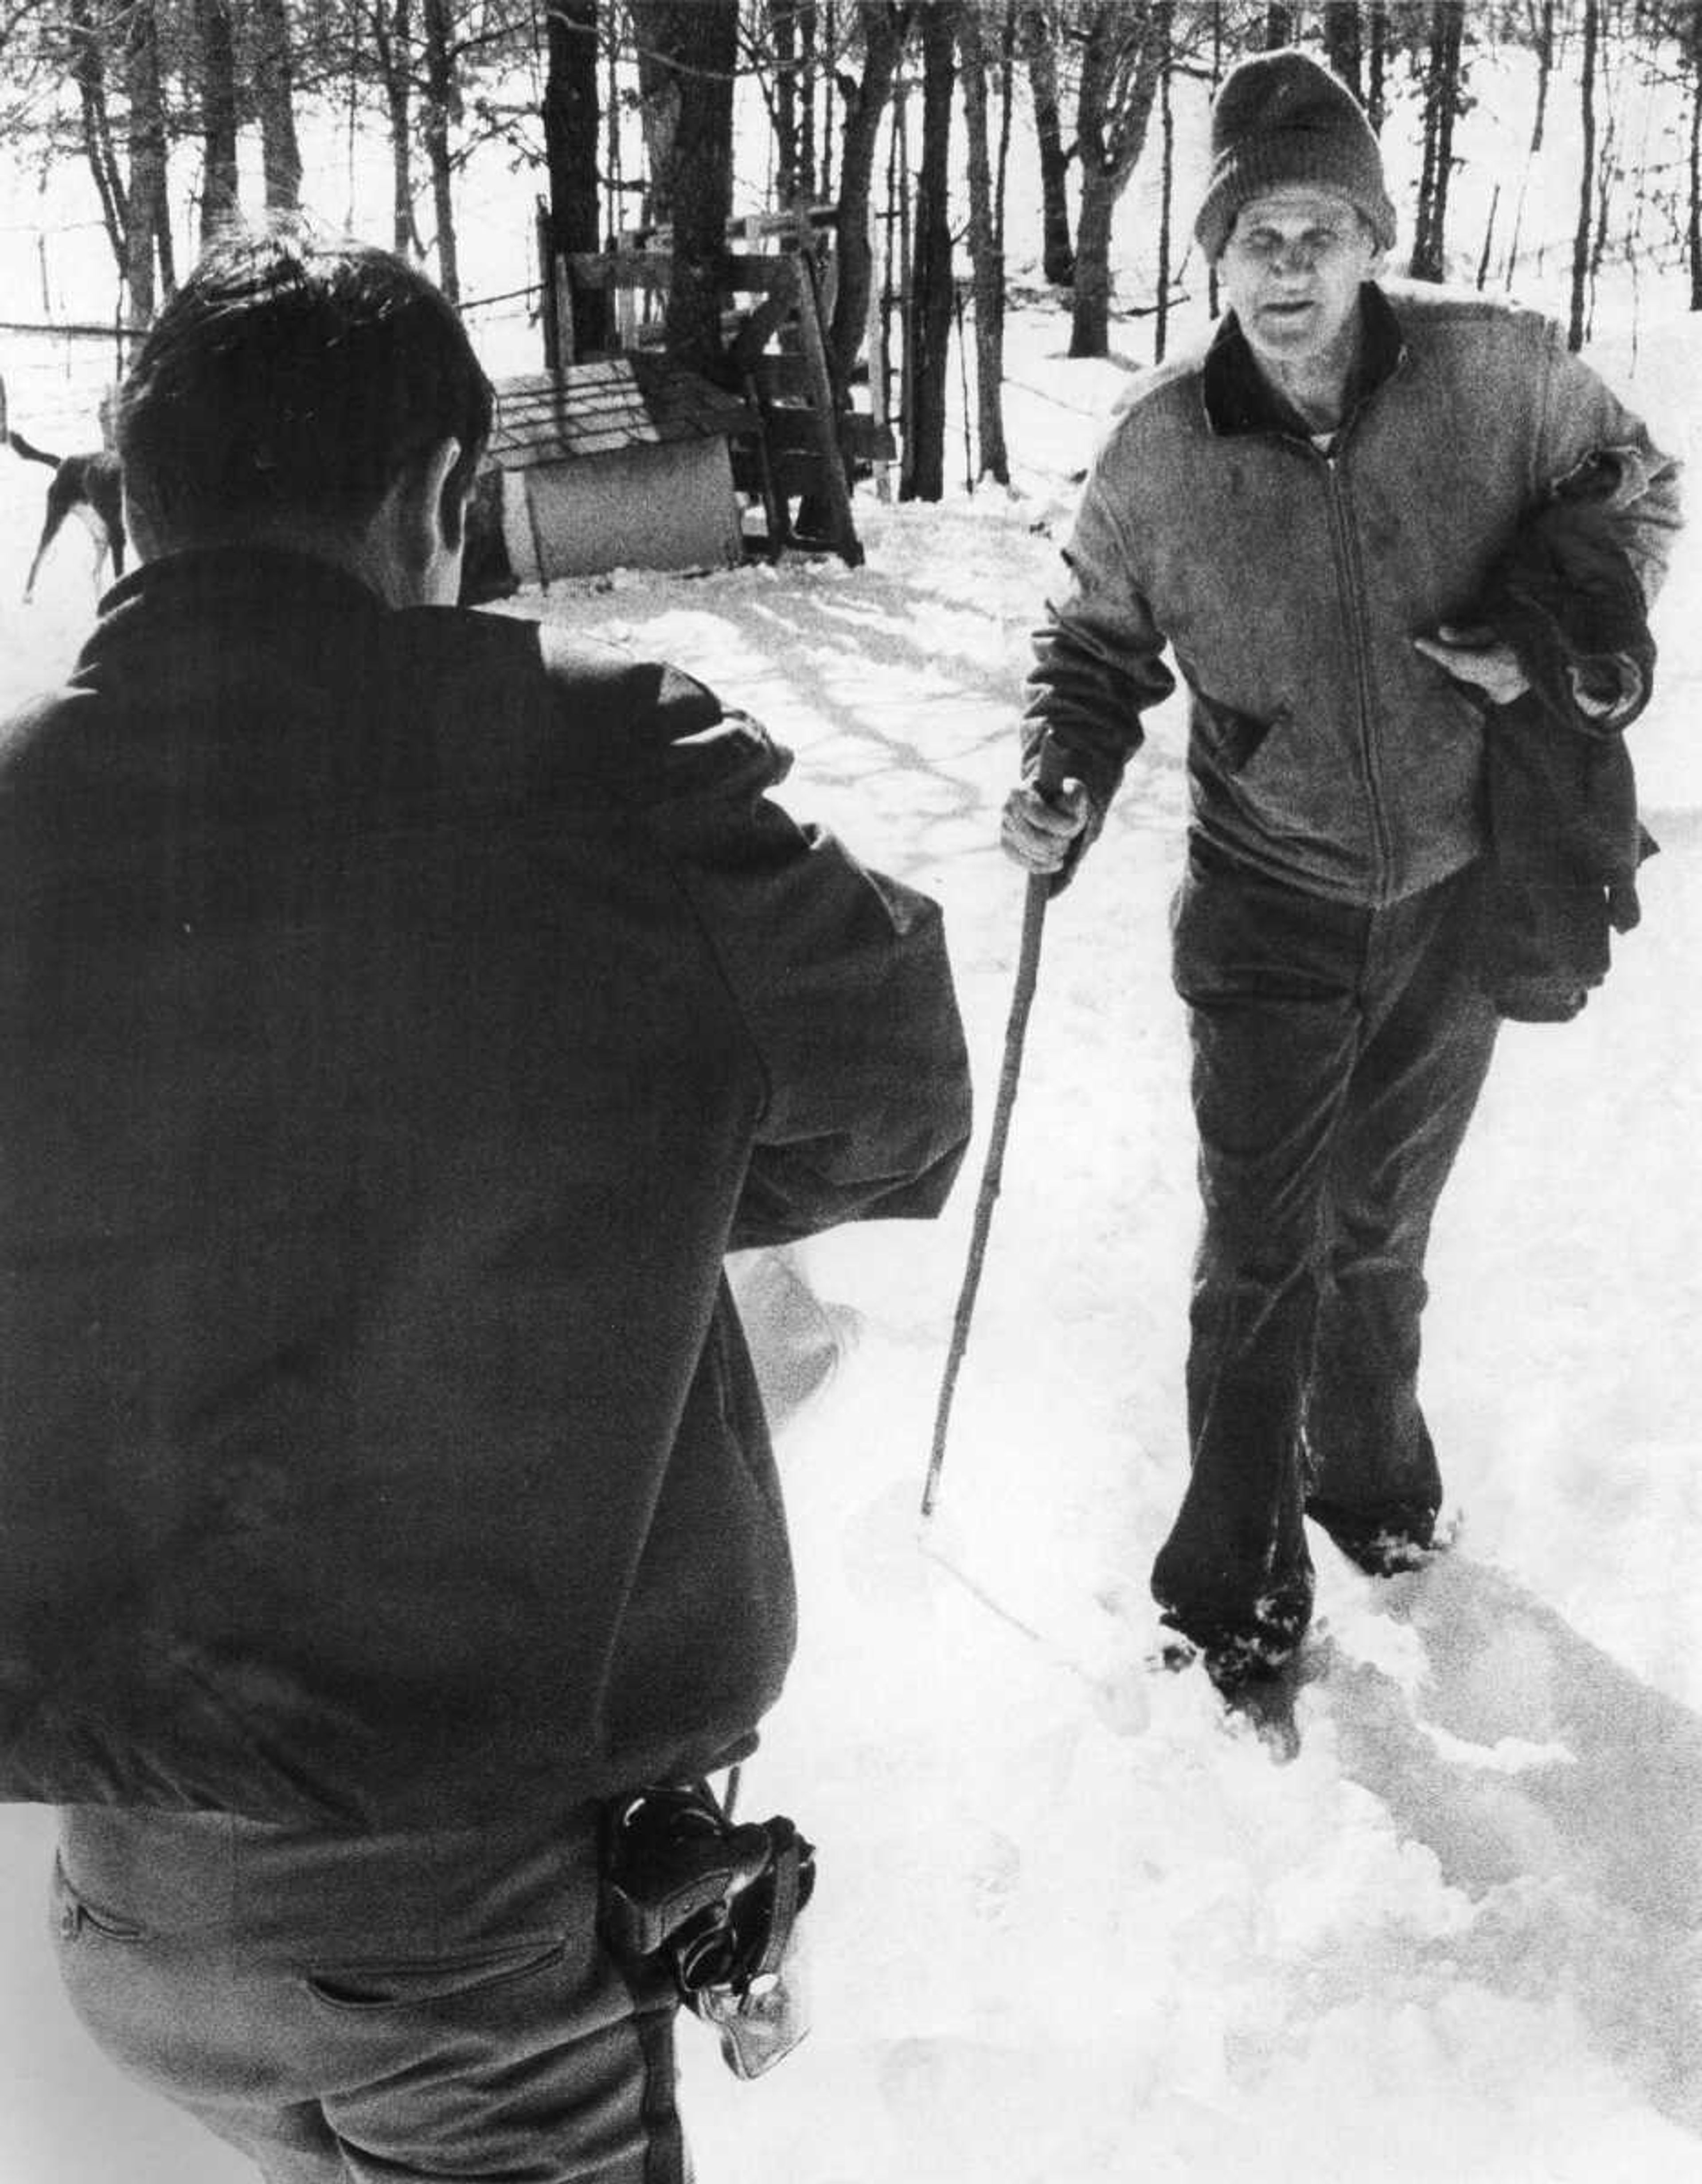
(1037, 831)
(1477, 656)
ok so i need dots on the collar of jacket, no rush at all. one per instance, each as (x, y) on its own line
(263, 585)
(1240, 398)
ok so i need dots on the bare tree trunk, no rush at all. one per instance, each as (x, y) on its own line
(1693, 227)
(830, 46)
(1217, 77)
(1545, 68)
(440, 110)
(1007, 73)
(1057, 259)
(1377, 74)
(898, 267)
(1167, 125)
(1090, 308)
(1279, 28)
(1607, 167)
(885, 28)
(1120, 83)
(572, 118)
(1342, 44)
(1587, 110)
(808, 38)
(985, 258)
(1484, 254)
(392, 40)
(616, 179)
(693, 48)
(146, 188)
(783, 26)
(1441, 102)
(275, 96)
(1424, 220)
(923, 476)
(219, 187)
(572, 121)
(88, 68)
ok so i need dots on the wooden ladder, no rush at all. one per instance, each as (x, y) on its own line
(809, 436)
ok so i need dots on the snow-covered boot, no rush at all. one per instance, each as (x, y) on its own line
(1383, 1540)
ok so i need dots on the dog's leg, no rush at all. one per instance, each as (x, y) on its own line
(56, 516)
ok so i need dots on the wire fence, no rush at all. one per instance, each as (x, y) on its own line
(56, 378)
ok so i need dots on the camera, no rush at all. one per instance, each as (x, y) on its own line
(719, 1903)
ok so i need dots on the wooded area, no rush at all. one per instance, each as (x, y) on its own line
(899, 123)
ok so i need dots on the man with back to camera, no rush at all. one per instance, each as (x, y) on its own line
(405, 1011)
(1307, 513)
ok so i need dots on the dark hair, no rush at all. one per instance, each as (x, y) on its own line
(297, 376)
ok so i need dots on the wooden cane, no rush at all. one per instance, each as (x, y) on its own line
(1048, 779)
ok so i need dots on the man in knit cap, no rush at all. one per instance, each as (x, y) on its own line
(1305, 513)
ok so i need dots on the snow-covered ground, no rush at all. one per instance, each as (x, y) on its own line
(1073, 1927)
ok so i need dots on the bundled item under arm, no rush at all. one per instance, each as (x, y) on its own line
(1565, 838)
(1597, 450)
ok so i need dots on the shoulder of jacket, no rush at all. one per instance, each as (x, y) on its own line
(1158, 392)
(649, 704)
(523, 708)
(1157, 409)
(1441, 317)
(662, 734)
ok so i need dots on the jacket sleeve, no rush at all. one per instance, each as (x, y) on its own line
(1097, 656)
(1583, 418)
(843, 980)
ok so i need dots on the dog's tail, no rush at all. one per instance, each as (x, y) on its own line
(20, 446)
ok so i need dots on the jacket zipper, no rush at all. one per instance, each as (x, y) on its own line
(1352, 587)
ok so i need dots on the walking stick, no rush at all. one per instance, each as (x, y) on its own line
(1048, 779)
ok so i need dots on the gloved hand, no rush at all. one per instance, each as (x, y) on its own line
(1037, 831)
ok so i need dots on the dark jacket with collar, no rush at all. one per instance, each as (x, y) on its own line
(1565, 839)
(400, 1016)
(1287, 583)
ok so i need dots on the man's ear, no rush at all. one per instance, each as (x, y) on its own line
(453, 496)
(144, 542)
(430, 504)
(422, 524)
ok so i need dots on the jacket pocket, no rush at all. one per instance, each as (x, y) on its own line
(403, 1983)
(1237, 738)
(74, 1916)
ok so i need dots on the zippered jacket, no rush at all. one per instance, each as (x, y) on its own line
(1288, 581)
(401, 1014)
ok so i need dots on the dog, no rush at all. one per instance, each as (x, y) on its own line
(88, 485)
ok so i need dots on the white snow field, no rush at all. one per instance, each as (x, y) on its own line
(1074, 1928)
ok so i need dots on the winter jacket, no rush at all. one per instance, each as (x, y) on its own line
(400, 1016)
(1565, 842)
(1289, 583)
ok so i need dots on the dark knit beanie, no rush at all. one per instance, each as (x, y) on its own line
(1280, 117)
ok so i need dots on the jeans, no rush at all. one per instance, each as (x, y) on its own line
(1338, 1053)
(346, 2009)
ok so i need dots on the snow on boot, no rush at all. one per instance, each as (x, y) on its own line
(1383, 1541)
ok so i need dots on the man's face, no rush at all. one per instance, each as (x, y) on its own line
(1291, 271)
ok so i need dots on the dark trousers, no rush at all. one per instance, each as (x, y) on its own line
(1338, 1054)
(344, 2009)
